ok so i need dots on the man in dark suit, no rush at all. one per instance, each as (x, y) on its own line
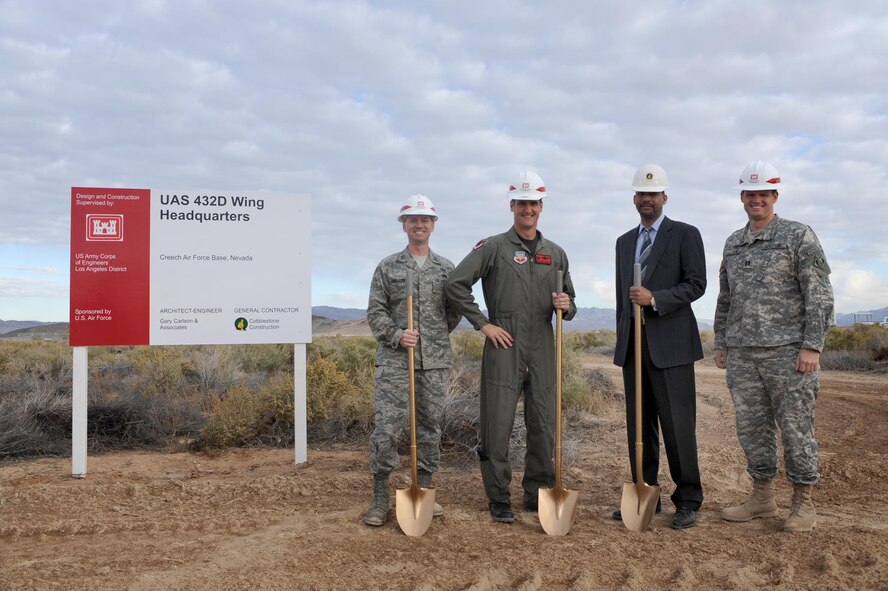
(673, 276)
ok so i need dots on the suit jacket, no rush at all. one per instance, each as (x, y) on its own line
(676, 275)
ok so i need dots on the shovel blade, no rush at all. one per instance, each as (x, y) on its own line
(557, 509)
(638, 505)
(414, 508)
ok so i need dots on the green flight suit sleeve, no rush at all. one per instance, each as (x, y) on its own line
(461, 280)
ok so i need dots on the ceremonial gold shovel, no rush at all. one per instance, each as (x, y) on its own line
(639, 499)
(414, 506)
(557, 506)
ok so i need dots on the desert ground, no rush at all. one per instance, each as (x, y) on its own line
(253, 519)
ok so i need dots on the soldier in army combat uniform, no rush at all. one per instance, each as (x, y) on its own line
(774, 309)
(433, 319)
(518, 274)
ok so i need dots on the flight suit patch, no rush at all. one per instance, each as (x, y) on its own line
(479, 244)
(520, 257)
(543, 259)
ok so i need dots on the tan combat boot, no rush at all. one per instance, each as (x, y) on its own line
(377, 514)
(802, 516)
(760, 503)
(425, 481)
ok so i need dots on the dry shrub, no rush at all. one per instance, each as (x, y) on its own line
(356, 356)
(338, 407)
(262, 359)
(860, 347)
(35, 398)
(848, 361)
(591, 340)
(50, 360)
(877, 345)
(35, 422)
(707, 339)
(232, 419)
(209, 368)
(325, 384)
(155, 397)
(161, 369)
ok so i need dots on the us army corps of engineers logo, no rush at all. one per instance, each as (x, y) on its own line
(104, 227)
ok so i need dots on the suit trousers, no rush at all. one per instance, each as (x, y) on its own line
(669, 402)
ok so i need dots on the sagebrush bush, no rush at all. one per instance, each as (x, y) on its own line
(858, 341)
(848, 361)
(590, 341)
(707, 339)
(325, 383)
(263, 359)
(161, 368)
(468, 344)
(233, 419)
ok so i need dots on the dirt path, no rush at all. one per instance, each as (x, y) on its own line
(251, 519)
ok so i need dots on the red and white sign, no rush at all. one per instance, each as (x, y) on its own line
(189, 267)
(110, 274)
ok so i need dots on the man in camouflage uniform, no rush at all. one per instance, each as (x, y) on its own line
(774, 309)
(433, 320)
(518, 274)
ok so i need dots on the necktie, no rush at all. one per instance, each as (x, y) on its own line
(645, 251)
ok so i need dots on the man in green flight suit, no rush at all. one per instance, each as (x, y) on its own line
(517, 270)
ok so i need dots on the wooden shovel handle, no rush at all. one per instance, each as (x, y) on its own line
(639, 445)
(411, 378)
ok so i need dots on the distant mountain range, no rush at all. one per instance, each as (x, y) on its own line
(354, 320)
(586, 319)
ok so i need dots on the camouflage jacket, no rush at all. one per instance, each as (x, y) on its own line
(774, 289)
(432, 315)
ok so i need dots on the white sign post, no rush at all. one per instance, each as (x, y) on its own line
(78, 411)
(175, 267)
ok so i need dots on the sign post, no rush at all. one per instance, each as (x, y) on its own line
(174, 267)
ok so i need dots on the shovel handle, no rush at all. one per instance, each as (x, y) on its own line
(411, 379)
(639, 445)
(559, 317)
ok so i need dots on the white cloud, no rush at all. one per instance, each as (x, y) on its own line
(361, 104)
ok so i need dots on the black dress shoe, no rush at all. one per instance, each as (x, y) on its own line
(618, 515)
(684, 518)
(531, 505)
(501, 512)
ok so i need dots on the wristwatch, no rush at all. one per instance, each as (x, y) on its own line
(653, 302)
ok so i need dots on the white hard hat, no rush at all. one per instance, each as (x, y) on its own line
(527, 187)
(759, 176)
(417, 205)
(650, 178)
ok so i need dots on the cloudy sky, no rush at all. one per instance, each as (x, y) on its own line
(361, 104)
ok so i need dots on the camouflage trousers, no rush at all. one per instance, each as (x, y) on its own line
(393, 418)
(769, 393)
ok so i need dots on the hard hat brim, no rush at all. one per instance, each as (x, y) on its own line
(760, 187)
(404, 216)
(649, 189)
(526, 196)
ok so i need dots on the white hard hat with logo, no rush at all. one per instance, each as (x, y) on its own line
(650, 178)
(527, 187)
(417, 205)
(759, 176)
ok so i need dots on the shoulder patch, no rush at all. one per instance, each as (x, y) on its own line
(479, 244)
